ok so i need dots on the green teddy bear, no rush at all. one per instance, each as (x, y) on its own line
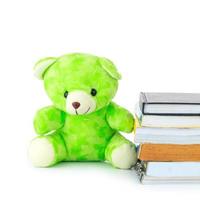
(82, 124)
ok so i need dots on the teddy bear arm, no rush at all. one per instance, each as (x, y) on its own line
(48, 119)
(119, 118)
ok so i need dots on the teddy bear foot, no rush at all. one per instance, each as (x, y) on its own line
(124, 156)
(41, 152)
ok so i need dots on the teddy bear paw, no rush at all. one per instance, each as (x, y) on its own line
(41, 152)
(124, 156)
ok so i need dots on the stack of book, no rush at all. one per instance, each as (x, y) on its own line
(168, 133)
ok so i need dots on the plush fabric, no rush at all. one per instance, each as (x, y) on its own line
(82, 135)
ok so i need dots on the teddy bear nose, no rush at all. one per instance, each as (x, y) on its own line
(76, 105)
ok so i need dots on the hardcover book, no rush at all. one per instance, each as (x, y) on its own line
(182, 121)
(167, 135)
(169, 152)
(167, 126)
(170, 103)
(168, 172)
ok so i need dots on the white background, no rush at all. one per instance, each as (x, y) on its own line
(156, 46)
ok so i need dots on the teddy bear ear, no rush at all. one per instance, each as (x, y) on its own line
(110, 68)
(42, 65)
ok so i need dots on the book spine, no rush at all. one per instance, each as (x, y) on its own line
(140, 170)
(142, 102)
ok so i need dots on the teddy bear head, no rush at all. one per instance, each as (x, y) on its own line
(78, 83)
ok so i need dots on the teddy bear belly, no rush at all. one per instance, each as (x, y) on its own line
(86, 141)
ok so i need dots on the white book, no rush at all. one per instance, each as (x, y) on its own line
(170, 121)
(167, 135)
(167, 172)
(170, 103)
(173, 169)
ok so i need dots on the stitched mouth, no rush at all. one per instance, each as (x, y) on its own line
(87, 110)
(83, 113)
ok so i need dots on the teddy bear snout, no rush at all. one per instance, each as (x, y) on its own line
(76, 105)
(79, 103)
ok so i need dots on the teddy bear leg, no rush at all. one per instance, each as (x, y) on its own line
(45, 151)
(120, 152)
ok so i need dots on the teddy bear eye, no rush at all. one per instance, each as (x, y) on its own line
(93, 92)
(66, 94)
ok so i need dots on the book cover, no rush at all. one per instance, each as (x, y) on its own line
(169, 152)
(170, 121)
(168, 172)
(167, 135)
(170, 103)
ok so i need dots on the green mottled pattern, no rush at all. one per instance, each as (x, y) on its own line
(86, 136)
(119, 118)
(83, 137)
(48, 119)
(79, 72)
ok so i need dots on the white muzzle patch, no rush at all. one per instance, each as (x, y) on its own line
(79, 103)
